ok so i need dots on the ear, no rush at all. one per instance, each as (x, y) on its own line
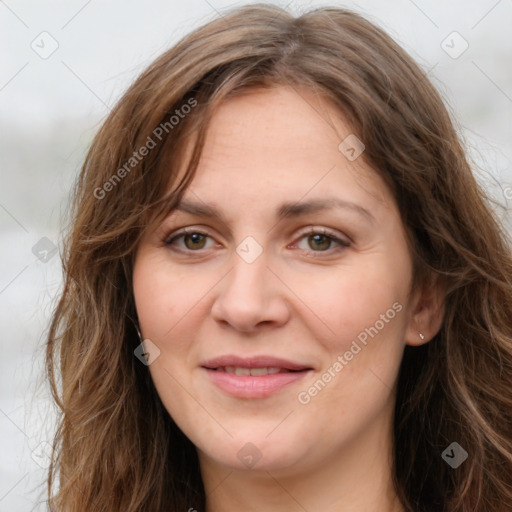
(427, 312)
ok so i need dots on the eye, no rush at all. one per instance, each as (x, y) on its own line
(193, 240)
(318, 240)
(321, 240)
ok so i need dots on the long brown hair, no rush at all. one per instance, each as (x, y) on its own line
(116, 448)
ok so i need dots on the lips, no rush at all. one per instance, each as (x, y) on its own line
(253, 377)
(255, 372)
(229, 362)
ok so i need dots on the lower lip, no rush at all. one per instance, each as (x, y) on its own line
(248, 386)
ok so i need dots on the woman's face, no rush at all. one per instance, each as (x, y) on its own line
(295, 259)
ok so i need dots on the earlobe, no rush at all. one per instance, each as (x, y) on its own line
(428, 314)
(416, 338)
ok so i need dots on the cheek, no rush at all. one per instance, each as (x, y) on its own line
(170, 306)
(166, 303)
(341, 303)
(366, 312)
(164, 298)
(360, 322)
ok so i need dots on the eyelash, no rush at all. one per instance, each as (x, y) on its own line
(342, 244)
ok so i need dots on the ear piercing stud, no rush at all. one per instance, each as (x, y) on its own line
(422, 336)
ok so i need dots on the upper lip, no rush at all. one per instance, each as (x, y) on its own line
(261, 361)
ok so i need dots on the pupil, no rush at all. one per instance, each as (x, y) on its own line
(197, 238)
(326, 241)
(194, 238)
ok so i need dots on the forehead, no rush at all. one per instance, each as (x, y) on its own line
(283, 137)
(281, 145)
(277, 123)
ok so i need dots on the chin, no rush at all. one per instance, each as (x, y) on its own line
(256, 452)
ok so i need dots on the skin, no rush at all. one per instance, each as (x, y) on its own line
(304, 299)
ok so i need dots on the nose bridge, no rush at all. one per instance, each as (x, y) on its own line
(250, 293)
(247, 284)
(248, 277)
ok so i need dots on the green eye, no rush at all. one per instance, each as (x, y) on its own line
(318, 240)
(197, 240)
(192, 240)
(321, 240)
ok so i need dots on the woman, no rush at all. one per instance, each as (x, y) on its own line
(284, 289)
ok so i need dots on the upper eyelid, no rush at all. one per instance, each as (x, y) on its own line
(175, 234)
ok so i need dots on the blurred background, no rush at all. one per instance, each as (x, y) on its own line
(63, 67)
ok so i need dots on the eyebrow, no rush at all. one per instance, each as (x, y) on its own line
(287, 209)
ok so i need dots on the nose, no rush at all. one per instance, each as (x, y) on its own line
(251, 296)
